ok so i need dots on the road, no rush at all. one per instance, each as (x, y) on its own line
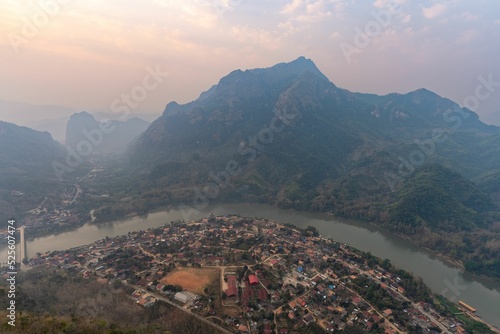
(78, 192)
(168, 301)
(403, 297)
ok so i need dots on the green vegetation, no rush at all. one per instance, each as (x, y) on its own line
(415, 289)
(450, 215)
(26, 173)
(488, 267)
(472, 326)
(54, 301)
(441, 199)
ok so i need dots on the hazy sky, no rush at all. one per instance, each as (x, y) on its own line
(86, 54)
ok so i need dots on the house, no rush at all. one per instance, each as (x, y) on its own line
(369, 325)
(137, 294)
(146, 301)
(243, 329)
(253, 280)
(307, 319)
(356, 300)
(181, 297)
(232, 289)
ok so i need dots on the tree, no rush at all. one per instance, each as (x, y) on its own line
(117, 284)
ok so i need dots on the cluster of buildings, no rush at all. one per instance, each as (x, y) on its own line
(60, 216)
(143, 298)
(274, 278)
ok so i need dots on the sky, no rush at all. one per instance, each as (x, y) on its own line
(88, 55)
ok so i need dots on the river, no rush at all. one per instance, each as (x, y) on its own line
(441, 277)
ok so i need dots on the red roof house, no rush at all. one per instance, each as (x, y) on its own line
(253, 280)
(232, 289)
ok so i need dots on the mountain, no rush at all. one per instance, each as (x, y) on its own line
(336, 148)
(24, 151)
(441, 199)
(287, 136)
(26, 172)
(57, 127)
(102, 137)
(418, 119)
(285, 126)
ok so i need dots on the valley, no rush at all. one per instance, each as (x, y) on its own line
(443, 278)
(262, 255)
(283, 136)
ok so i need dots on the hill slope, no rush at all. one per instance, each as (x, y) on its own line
(26, 172)
(333, 151)
(441, 199)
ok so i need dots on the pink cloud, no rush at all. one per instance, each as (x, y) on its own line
(434, 11)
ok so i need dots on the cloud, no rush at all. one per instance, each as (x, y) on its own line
(315, 11)
(406, 18)
(469, 16)
(288, 28)
(255, 38)
(434, 11)
(292, 6)
(467, 36)
(388, 3)
(311, 11)
(335, 35)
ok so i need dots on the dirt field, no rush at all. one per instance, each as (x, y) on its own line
(193, 279)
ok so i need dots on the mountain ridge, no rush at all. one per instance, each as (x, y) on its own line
(332, 155)
(26, 173)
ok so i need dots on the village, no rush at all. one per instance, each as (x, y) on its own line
(59, 213)
(249, 275)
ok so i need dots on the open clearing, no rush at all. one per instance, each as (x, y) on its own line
(193, 279)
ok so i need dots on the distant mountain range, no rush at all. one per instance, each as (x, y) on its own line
(83, 127)
(27, 158)
(54, 119)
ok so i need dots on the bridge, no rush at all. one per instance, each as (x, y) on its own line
(22, 243)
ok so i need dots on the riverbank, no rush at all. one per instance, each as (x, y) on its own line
(445, 258)
(96, 220)
(419, 242)
(437, 274)
(260, 233)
